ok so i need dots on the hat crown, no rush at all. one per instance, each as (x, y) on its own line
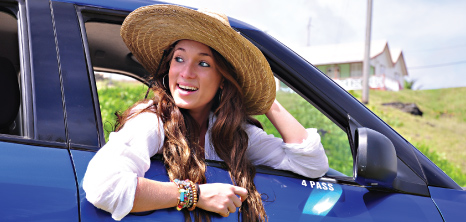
(219, 16)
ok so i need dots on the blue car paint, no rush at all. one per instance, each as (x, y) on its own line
(125, 5)
(36, 184)
(122, 5)
(451, 203)
(286, 199)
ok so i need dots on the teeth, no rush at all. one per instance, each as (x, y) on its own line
(188, 87)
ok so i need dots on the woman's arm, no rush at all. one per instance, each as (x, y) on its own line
(289, 128)
(218, 198)
(154, 195)
(299, 151)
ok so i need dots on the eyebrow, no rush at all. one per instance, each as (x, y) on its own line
(202, 53)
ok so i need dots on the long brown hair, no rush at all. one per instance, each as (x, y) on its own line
(184, 158)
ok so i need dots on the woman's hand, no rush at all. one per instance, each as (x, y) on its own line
(221, 198)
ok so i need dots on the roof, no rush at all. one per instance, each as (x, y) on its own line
(343, 53)
(396, 54)
(130, 5)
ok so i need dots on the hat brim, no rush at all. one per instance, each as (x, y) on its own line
(149, 30)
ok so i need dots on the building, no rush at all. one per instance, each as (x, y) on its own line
(344, 63)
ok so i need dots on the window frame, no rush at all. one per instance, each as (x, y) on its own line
(86, 14)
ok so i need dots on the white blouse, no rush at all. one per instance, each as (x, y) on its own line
(111, 177)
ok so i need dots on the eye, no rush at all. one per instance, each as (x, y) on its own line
(178, 59)
(204, 64)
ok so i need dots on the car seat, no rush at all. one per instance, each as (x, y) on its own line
(9, 95)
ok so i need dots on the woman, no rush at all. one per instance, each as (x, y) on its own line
(208, 80)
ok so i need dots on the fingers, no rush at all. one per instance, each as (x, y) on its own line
(229, 209)
(236, 200)
(221, 198)
(242, 192)
(225, 214)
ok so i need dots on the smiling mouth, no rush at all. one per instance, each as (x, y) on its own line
(188, 88)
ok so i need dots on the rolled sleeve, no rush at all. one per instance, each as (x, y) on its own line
(307, 158)
(111, 178)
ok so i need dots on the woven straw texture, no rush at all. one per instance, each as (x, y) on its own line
(148, 30)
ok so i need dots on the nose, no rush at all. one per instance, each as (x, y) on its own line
(188, 71)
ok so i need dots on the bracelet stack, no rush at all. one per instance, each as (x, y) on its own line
(188, 194)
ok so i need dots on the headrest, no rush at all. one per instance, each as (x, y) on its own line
(9, 93)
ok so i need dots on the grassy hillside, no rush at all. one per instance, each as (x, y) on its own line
(440, 132)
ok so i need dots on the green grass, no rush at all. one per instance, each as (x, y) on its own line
(117, 98)
(439, 134)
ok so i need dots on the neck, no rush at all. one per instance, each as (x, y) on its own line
(201, 117)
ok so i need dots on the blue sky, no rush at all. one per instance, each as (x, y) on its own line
(432, 34)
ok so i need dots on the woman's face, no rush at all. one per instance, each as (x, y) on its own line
(193, 76)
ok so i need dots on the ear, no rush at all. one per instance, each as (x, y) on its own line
(222, 83)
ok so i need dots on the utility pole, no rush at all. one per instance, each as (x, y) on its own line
(367, 50)
(308, 43)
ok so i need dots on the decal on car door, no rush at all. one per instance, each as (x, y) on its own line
(322, 197)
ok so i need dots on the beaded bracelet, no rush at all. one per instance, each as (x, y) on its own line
(188, 194)
(195, 196)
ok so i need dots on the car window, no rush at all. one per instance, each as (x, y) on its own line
(10, 73)
(111, 60)
(119, 78)
(334, 139)
(116, 94)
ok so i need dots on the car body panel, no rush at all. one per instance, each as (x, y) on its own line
(81, 119)
(286, 199)
(37, 184)
(451, 203)
(47, 93)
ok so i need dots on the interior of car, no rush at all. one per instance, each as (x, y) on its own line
(9, 73)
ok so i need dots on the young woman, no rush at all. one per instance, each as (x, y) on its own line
(207, 81)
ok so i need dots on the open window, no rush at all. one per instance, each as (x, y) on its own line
(119, 78)
(120, 81)
(334, 139)
(10, 72)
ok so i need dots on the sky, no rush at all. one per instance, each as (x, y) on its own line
(431, 33)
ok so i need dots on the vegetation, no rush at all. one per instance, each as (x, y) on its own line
(441, 138)
(333, 138)
(439, 133)
(117, 97)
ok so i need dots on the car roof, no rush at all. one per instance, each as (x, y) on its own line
(131, 5)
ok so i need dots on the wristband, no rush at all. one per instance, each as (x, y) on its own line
(188, 194)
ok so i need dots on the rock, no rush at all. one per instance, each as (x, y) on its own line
(411, 108)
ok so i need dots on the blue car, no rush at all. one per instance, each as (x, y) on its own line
(53, 55)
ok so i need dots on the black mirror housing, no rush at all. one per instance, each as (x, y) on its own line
(376, 160)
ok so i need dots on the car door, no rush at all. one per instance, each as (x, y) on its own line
(37, 178)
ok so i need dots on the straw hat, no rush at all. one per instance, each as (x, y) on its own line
(148, 30)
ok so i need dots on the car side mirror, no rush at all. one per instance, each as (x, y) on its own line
(375, 159)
